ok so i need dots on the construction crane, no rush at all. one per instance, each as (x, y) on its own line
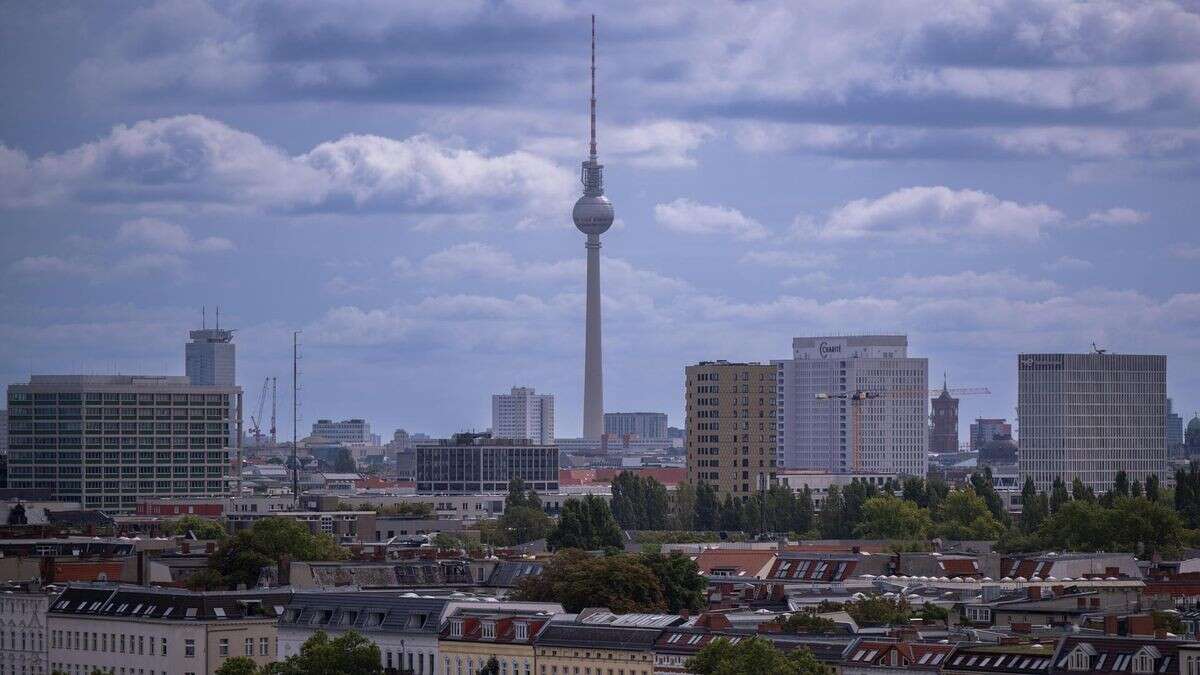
(274, 382)
(256, 420)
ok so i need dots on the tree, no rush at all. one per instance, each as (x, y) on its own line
(1058, 495)
(1120, 486)
(708, 507)
(586, 524)
(889, 517)
(201, 528)
(684, 515)
(682, 585)
(348, 654)
(753, 655)
(831, 521)
(982, 484)
(855, 496)
(240, 558)
(343, 461)
(731, 517)
(1034, 507)
(639, 503)
(876, 609)
(492, 667)
(808, 622)
(1153, 489)
(931, 612)
(620, 582)
(238, 665)
(1081, 492)
(1135, 490)
(523, 524)
(206, 579)
(965, 515)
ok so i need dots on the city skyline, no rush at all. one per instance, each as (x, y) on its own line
(413, 221)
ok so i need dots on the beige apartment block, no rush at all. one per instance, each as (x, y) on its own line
(730, 433)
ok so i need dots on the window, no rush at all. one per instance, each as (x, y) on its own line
(456, 627)
(489, 630)
(189, 648)
(223, 647)
(522, 631)
(264, 646)
(249, 646)
(162, 646)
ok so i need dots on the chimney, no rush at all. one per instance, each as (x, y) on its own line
(1112, 571)
(1020, 627)
(1035, 592)
(1095, 603)
(141, 568)
(210, 547)
(1140, 624)
(1110, 624)
(185, 548)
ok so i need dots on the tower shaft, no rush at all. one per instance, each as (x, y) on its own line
(593, 366)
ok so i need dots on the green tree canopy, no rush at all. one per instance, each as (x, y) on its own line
(586, 524)
(889, 517)
(348, 654)
(240, 558)
(754, 655)
(683, 586)
(202, 528)
(577, 580)
(238, 665)
(639, 503)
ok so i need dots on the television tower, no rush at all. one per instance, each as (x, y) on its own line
(593, 215)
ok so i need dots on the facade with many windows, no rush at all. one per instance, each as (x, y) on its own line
(478, 464)
(731, 426)
(133, 630)
(1089, 416)
(108, 441)
(23, 631)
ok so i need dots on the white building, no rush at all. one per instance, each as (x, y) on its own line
(351, 432)
(1089, 416)
(523, 414)
(885, 432)
(23, 631)
(210, 358)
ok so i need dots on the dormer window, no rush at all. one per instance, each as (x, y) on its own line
(522, 631)
(456, 627)
(1143, 661)
(1080, 660)
(489, 630)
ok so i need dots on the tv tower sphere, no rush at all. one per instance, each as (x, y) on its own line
(593, 214)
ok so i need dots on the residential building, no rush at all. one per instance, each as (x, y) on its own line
(23, 643)
(477, 463)
(406, 627)
(1089, 416)
(1027, 658)
(350, 432)
(731, 426)
(871, 657)
(525, 415)
(596, 641)
(1114, 654)
(642, 425)
(160, 631)
(210, 358)
(108, 441)
(473, 636)
(854, 403)
(987, 429)
(1174, 431)
(943, 432)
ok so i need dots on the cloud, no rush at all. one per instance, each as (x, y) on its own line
(787, 259)
(1186, 252)
(159, 234)
(967, 284)
(931, 214)
(48, 264)
(1067, 263)
(191, 160)
(690, 217)
(1115, 216)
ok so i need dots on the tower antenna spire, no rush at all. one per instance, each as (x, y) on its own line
(592, 147)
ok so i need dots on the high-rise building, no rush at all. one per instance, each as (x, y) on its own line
(523, 414)
(645, 425)
(593, 215)
(943, 432)
(1089, 416)
(107, 441)
(479, 464)
(3, 432)
(351, 432)
(730, 429)
(987, 429)
(1174, 429)
(850, 404)
(210, 358)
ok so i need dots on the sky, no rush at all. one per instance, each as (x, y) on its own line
(395, 180)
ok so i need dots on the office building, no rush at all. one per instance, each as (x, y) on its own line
(648, 426)
(1089, 416)
(210, 358)
(477, 463)
(4, 432)
(349, 432)
(853, 404)
(984, 430)
(730, 426)
(108, 441)
(943, 432)
(139, 629)
(523, 414)
(1174, 430)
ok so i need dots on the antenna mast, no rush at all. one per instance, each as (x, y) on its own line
(592, 147)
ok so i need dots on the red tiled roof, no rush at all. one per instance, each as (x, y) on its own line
(910, 655)
(959, 567)
(742, 562)
(814, 567)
